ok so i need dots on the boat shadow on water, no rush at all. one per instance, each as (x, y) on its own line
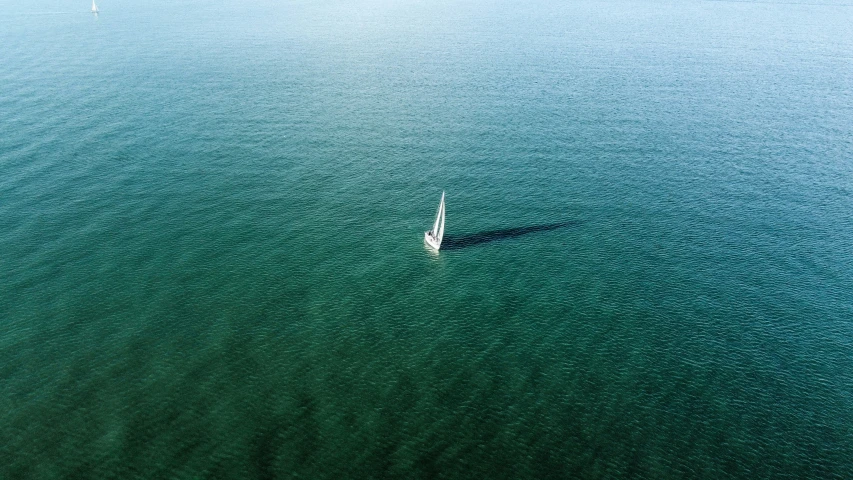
(457, 242)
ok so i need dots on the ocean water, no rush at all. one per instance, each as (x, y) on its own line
(212, 260)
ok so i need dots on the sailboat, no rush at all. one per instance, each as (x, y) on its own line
(94, 7)
(434, 236)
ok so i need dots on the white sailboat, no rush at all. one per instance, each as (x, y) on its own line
(434, 236)
(94, 7)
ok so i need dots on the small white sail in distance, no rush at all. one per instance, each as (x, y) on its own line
(434, 236)
(94, 7)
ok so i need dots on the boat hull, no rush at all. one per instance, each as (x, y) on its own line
(429, 240)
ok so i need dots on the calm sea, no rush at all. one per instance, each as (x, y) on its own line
(211, 239)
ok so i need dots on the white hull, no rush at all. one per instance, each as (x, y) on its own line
(431, 241)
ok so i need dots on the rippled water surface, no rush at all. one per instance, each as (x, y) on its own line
(212, 260)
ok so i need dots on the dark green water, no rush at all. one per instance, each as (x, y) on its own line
(211, 255)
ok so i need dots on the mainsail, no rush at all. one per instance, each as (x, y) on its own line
(94, 7)
(439, 232)
(434, 236)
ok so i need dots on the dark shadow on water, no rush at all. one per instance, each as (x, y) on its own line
(457, 242)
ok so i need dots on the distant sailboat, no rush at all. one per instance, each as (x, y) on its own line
(434, 236)
(94, 7)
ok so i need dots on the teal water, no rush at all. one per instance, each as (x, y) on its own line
(212, 260)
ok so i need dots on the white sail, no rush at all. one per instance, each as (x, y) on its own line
(440, 232)
(434, 236)
(94, 7)
(437, 222)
